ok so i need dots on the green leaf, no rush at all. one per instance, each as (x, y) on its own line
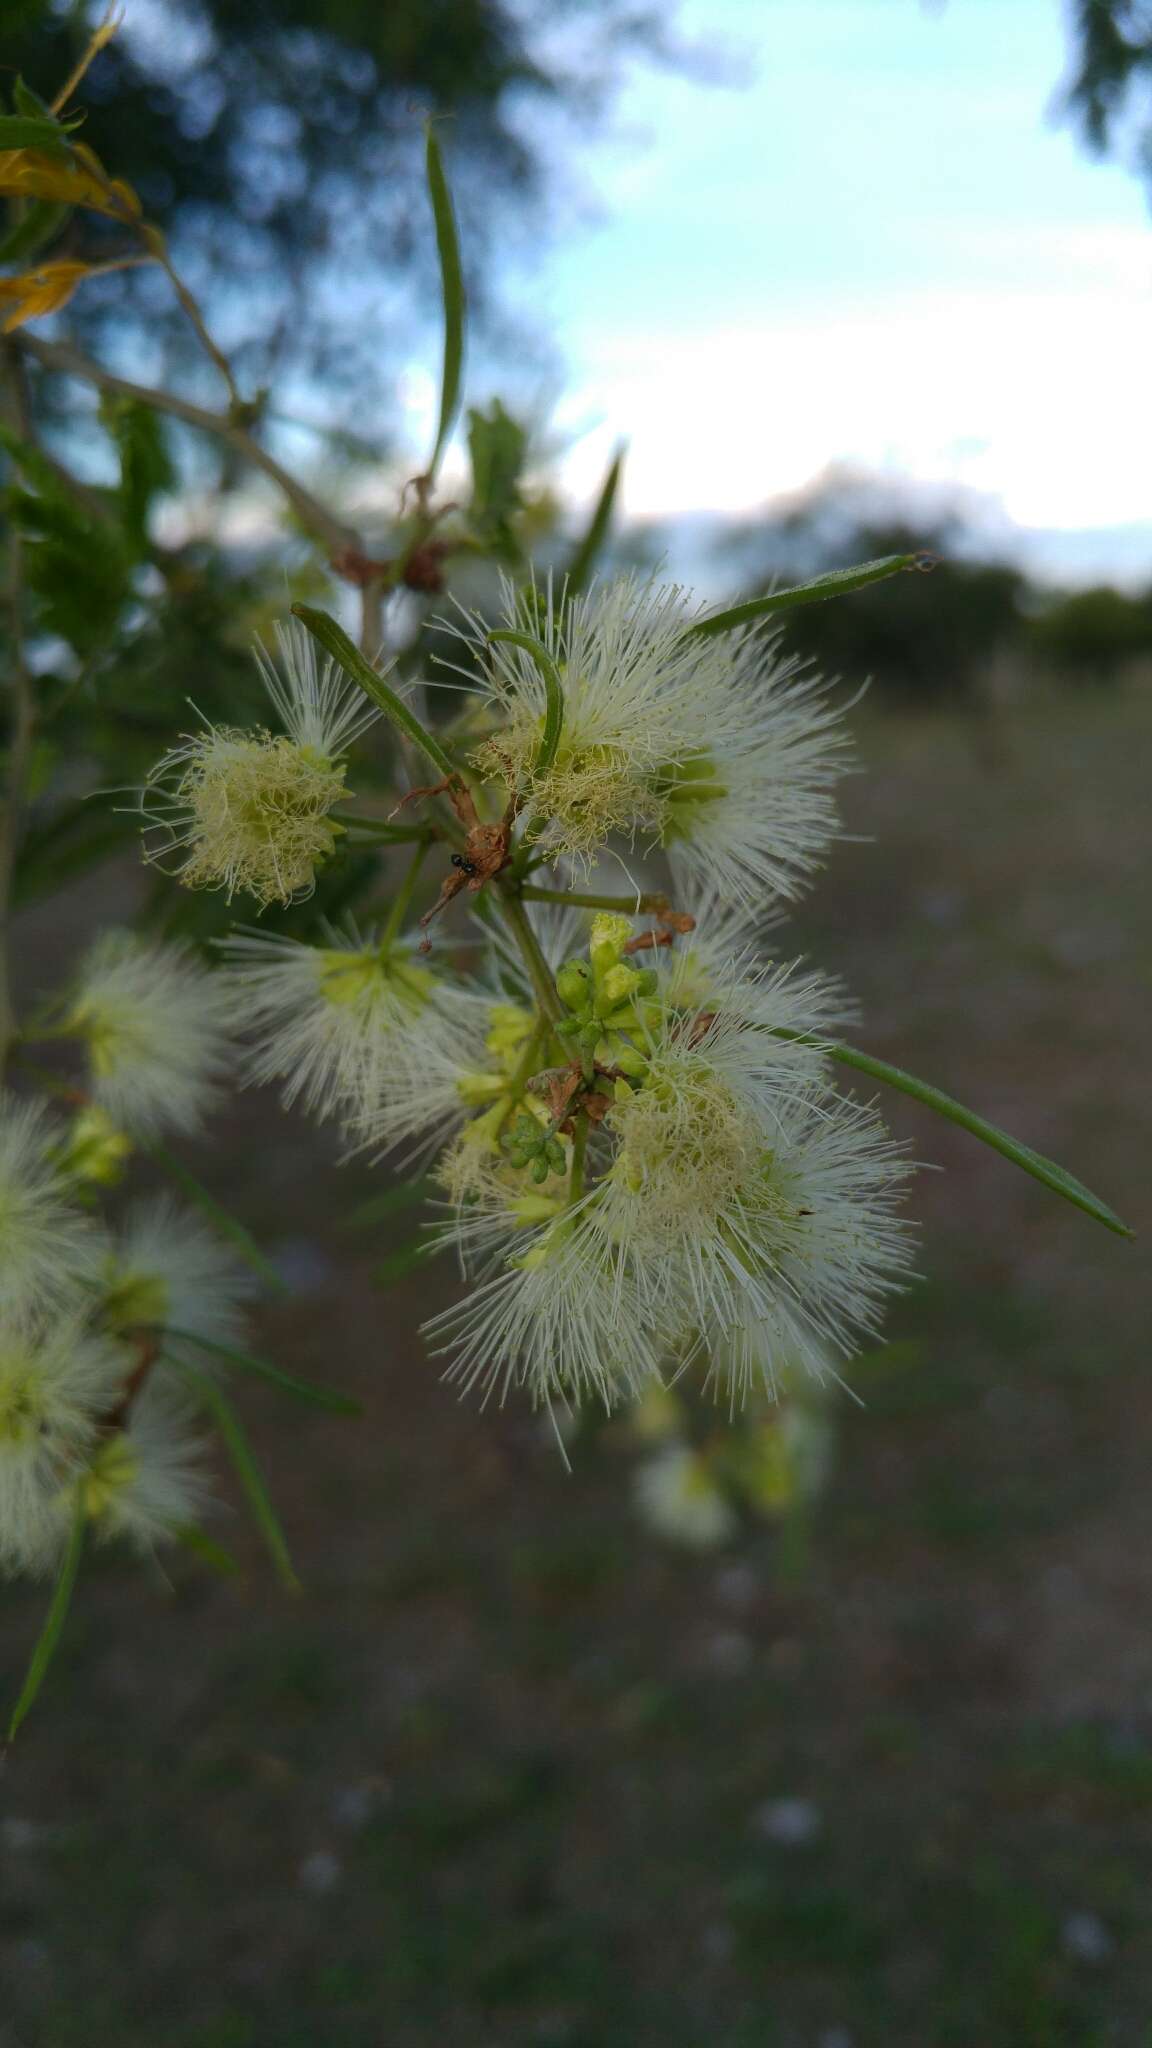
(335, 642)
(247, 1470)
(304, 1390)
(78, 837)
(54, 1620)
(229, 1226)
(27, 237)
(146, 466)
(452, 291)
(837, 583)
(32, 131)
(553, 690)
(389, 1202)
(1041, 1169)
(209, 1552)
(27, 101)
(402, 1261)
(497, 444)
(589, 549)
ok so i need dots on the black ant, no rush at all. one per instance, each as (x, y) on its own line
(461, 861)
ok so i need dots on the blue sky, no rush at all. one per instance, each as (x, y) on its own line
(877, 248)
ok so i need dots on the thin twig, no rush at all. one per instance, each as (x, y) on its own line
(68, 361)
(21, 726)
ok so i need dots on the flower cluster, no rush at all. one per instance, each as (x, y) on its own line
(725, 755)
(97, 1417)
(642, 1162)
(716, 1198)
(100, 1323)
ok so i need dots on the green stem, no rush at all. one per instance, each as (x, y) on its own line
(1044, 1170)
(579, 1147)
(334, 640)
(57, 1615)
(553, 692)
(588, 899)
(403, 897)
(21, 734)
(539, 972)
(378, 828)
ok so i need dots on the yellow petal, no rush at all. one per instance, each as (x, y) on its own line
(75, 180)
(37, 292)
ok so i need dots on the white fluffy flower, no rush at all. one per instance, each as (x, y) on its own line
(165, 1269)
(562, 1319)
(678, 1496)
(714, 747)
(351, 1024)
(752, 813)
(759, 1200)
(631, 680)
(146, 1480)
(156, 1027)
(252, 810)
(56, 1382)
(46, 1246)
(463, 1076)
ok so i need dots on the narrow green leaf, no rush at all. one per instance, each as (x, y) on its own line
(304, 1390)
(389, 1202)
(31, 131)
(228, 1225)
(452, 291)
(837, 583)
(28, 236)
(247, 1470)
(1041, 1169)
(209, 1552)
(402, 1261)
(27, 100)
(588, 550)
(54, 1620)
(335, 642)
(553, 691)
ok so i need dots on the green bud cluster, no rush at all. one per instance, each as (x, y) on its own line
(602, 997)
(531, 1144)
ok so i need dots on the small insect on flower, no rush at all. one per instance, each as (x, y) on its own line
(56, 1380)
(157, 1028)
(47, 1248)
(251, 810)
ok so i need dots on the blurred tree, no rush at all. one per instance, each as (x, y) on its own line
(1090, 636)
(923, 638)
(278, 143)
(1110, 92)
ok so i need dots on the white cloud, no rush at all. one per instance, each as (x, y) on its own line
(1035, 394)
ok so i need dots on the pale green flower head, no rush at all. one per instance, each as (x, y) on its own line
(251, 810)
(156, 1026)
(350, 1027)
(48, 1248)
(56, 1382)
